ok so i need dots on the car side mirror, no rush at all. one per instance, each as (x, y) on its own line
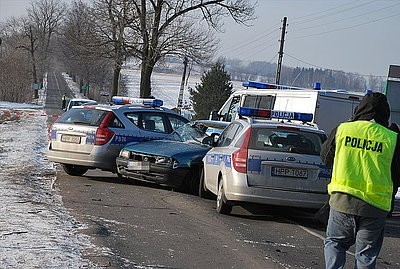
(207, 141)
(211, 140)
(214, 115)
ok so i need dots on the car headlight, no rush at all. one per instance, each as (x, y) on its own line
(163, 160)
(124, 154)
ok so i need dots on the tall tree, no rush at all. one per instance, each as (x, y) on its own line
(45, 17)
(214, 89)
(15, 67)
(81, 58)
(112, 23)
(173, 27)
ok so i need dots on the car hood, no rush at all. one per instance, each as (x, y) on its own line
(167, 148)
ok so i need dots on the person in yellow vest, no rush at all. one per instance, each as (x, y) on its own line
(364, 155)
(64, 101)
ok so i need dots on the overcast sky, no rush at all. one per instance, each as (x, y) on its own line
(359, 36)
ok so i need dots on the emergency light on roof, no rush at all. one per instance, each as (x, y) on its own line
(262, 85)
(258, 85)
(266, 113)
(122, 100)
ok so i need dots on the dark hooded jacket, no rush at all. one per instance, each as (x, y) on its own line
(373, 107)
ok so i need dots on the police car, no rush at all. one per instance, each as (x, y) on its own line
(91, 136)
(79, 102)
(267, 161)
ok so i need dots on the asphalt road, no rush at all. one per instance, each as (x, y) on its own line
(147, 226)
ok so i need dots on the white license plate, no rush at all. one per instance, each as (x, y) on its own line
(138, 166)
(289, 172)
(71, 139)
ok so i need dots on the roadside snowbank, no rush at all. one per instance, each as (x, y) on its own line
(36, 231)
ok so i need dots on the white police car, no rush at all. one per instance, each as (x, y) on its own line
(91, 136)
(269, 161)
(79, 102)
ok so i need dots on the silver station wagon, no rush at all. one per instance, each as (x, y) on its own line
(91, 136)
(273, 162)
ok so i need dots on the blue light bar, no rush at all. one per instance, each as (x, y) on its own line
(266, 113)
(258, 85)
(153, 102)
(287, 115)
(123, 100)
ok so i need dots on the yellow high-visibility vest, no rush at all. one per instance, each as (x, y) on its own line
(362, 165)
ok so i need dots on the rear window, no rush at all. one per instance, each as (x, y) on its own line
(83, 116)
(286, 140)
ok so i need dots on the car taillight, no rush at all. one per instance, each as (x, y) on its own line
(239, 157)
(103, 134)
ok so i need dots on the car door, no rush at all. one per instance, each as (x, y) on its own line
(218, 160)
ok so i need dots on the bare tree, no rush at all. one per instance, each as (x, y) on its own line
(78, 46)
(152, 29)
(111, 24)
(15, 71)
(45, 16)
(168, 27)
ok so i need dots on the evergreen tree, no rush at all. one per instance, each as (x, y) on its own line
(214, 89)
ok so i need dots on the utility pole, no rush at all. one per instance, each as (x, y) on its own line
(279, 67)
(180, 98)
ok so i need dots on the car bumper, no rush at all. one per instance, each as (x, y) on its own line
(157, 174)
(277, 197)
(97, 158)
(237, 190)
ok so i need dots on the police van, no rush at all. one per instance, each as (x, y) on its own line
(329, 107)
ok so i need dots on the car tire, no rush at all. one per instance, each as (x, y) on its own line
(192, 182)
(121, 178)
(222, 206)
(74, 170)
(203, 192)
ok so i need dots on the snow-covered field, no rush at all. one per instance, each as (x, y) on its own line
(165, 86)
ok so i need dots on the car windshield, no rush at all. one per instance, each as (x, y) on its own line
(188, 133)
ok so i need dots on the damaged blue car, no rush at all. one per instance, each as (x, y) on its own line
(175, 161)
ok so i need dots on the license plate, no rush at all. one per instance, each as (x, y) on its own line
(139, 166)
(71, 139)
(289, 172)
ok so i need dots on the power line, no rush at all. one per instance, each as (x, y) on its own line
(252, 41)
(320, 67)
(349, 27)
(332, 14)
(349, 18)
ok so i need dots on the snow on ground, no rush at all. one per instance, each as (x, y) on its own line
(36, 231)
(165, 86)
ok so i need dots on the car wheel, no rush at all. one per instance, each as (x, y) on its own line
(74, 170)
(222, 206)
(121, 178)
(192, 182)
(203, 192)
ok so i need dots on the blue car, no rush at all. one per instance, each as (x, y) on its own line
(175, 161)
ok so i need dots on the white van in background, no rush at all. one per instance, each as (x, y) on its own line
(329, 107)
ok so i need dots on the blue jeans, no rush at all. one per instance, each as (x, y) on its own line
(344, 230)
